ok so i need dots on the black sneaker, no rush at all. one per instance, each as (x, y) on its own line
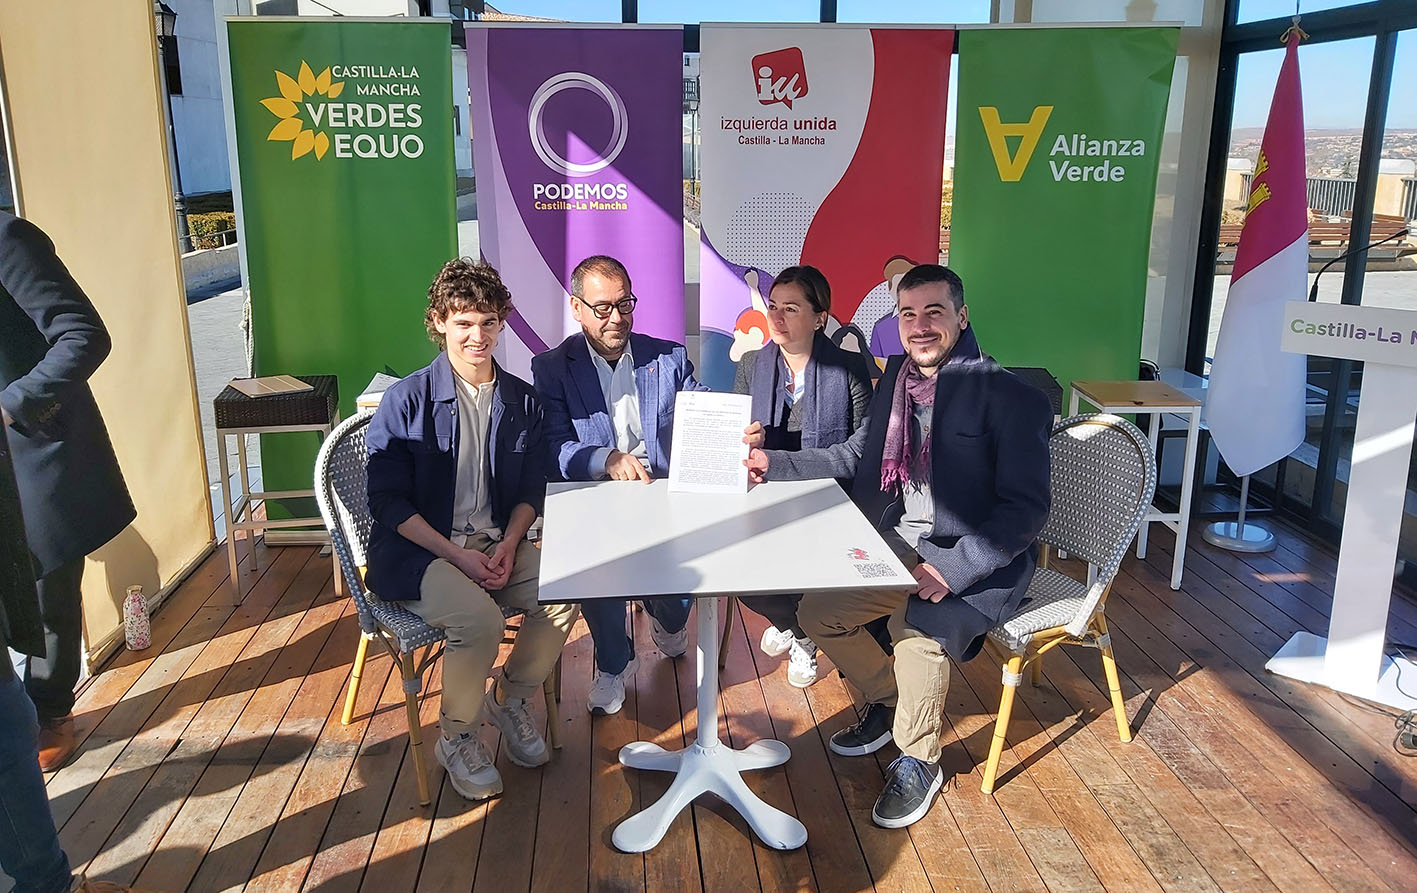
(911, 786)
(871, 733)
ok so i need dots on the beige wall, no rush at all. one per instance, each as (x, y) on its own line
(90, 151)
(1388, 199)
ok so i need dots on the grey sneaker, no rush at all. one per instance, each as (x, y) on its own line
(911, 786)
(607, 690)
(469, 766)
(523, 740)
(669, 644)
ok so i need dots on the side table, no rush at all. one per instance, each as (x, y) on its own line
(1156, 399)
(238, 415)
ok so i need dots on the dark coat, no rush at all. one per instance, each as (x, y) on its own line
(51, 341)
(20, 626)
(579, 433)
(413, 443)
(989, 482)
(834, 400)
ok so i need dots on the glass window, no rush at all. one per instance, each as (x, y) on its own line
(563, 10)
(1259, 10)
(1187, 12)
(694, 11)
(926, 12)
(1397, 177)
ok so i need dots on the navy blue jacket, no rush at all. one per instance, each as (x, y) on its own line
(20, 625)
(989, 482)
(579, 432)
(413, 467)
(51, 341)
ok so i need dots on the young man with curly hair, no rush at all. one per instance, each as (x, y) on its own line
(457, 474)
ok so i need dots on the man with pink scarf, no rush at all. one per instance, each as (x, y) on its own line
(951, 464)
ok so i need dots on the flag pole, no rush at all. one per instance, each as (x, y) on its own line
(1237, 535)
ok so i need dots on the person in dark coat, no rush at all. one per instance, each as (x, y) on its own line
(74, 498)
(29, 846)
(952, 468)
(807, 392)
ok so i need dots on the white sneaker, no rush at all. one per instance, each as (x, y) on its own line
(469, 766)
(523, 741)
(670, 644)
(607, 690)
(776, 641)
(802, 662)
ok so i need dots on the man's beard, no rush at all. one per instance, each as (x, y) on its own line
(930, 357)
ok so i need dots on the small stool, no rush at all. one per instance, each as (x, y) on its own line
(1153, 398)
(238, 415)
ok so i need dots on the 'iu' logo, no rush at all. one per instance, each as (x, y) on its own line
(780, 76)
(286, 107)
(1011, 165)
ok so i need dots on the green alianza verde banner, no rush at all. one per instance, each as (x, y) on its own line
(1056, 159)
(345, 151)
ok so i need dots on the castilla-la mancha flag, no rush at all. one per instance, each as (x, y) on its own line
(1255, 406)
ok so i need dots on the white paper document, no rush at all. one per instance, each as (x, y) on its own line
(708, 451)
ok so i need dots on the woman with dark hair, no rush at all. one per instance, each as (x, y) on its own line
(807, 392)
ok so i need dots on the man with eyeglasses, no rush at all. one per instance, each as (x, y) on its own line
(608, 397)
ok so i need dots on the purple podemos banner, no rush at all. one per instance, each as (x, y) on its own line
(577, 147)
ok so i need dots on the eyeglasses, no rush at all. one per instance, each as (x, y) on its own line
(626, 306)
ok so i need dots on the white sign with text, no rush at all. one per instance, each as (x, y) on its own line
(1351, 332)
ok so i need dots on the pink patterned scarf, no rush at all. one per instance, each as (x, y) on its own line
(911, 389)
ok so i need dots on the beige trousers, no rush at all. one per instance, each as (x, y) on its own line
(472, 619)
(917, 682)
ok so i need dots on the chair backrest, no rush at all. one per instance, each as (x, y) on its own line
(1103, 480)
(341, 491)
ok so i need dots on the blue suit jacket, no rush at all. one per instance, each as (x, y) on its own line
(413, 466)
(578, 427)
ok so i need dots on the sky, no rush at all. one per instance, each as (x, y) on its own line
(1334, 75)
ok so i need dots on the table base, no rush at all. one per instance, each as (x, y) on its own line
(707, 770)
(708, 766)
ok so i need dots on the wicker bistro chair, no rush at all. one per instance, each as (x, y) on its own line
(1103, 479)
(342, 494)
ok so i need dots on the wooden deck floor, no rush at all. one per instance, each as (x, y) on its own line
(216, 760)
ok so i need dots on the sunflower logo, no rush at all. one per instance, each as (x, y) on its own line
(291, 128)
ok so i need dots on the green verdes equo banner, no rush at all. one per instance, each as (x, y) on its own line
(1055, 180)
(345, 150)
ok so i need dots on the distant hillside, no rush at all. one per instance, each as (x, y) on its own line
(1330, 153)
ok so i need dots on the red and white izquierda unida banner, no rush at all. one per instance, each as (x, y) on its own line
(821, 146)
